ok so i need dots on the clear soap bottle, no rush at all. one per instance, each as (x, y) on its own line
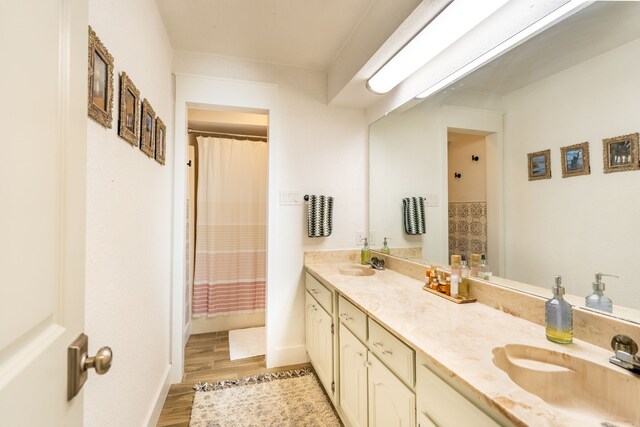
(365, 253)
(463, 287)
(598, 300)
(558, 316)
(385, 248)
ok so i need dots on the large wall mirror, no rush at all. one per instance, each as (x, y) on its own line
(496, 159)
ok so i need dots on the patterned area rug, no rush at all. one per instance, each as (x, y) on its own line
(290, 398)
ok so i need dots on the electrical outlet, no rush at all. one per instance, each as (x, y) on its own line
(290, 197)
(373, 238)
(432, 200)
(359, 236)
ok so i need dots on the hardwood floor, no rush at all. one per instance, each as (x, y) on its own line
(207, 359)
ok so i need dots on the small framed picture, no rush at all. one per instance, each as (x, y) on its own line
(100, 106)
(620, 153)
(575, 160)
(129, 123)
(539, 165)
(147, 140)
(161, 141)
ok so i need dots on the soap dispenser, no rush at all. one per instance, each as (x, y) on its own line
(558, 316)
(385, 248)
(365, 253)
(597, 299)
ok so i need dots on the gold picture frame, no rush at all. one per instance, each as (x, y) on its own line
(575, 160)
(539, 165)
(147, 129)
(129, 111)
(100, 94)
(620, 154)
(161, 141)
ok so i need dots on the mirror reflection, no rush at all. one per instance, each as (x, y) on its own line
(531, 161)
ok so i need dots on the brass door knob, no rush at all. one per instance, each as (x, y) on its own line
(101, 362)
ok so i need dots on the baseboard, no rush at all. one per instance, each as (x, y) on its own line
(284, 356)
(161, 396)
(203, 325)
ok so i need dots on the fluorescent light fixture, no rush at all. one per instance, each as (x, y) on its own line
(569, 8)
(456, 20)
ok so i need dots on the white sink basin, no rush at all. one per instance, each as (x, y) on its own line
(356, 270)
(583, 390)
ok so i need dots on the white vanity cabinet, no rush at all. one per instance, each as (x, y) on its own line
(353, 378)
(370, 394)
(319, 331)
(391, 403)
(441, 405)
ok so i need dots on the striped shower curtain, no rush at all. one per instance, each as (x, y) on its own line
(230, 256)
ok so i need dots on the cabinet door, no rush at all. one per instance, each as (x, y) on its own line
(311, 335)
(324, 349)
(353, 378)
(391, 403)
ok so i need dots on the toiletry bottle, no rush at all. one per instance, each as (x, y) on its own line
(365, 253)
(474, 266)
(385, 248)
(483, 268)
(455, 274)
(558, 316)
(597, 299)
(463, 286)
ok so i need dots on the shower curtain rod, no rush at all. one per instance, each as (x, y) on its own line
(227, 134)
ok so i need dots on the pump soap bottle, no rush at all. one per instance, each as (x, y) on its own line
(597, 299)
(385, 248)
(365, 253)
(558, 316)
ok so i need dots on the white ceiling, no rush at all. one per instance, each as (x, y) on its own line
(304, 33)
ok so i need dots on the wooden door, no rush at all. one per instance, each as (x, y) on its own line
(43, 82)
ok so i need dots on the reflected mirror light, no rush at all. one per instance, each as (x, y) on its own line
(574, 83)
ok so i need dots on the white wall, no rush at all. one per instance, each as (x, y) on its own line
(315, 149)
(129, 227)
(579, 225)
(472, 186)
(405, 156)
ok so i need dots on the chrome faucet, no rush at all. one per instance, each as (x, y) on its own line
(377, 263)
(626, 351)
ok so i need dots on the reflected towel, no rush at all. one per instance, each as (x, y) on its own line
(320, 216)
(413, 215)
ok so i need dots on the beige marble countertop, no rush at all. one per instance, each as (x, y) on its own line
(459, 339)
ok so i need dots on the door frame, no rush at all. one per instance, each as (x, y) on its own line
(205, 91)
(490, 123)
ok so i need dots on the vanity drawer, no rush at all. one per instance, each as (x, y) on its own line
(398, 356)
(353, 318)
(442, 405)
(320, 293)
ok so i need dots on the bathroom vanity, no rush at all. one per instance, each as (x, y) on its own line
(388, 353)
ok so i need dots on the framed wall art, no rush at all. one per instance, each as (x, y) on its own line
(539, 165)
(620, 153)
(100, 98)
(129, 111)
(575, 160)
(147, 134)
(161, 141)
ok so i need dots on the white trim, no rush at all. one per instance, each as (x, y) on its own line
(154, 413)
(284, 356)
(193, 90)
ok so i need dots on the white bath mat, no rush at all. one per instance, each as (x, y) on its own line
(245, 343)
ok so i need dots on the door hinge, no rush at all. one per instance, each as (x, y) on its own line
(332, 329)
(333, 386)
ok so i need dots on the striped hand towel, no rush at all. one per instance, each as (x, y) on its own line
(414, 218)
(320, 216)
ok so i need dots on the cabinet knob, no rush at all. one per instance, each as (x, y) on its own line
(378, 344)
(360, 354)
(387, 352)
(314, 291)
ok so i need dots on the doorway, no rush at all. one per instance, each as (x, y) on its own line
(467, 193)
(225, 287)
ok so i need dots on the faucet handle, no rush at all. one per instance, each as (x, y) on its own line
(624, 343)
